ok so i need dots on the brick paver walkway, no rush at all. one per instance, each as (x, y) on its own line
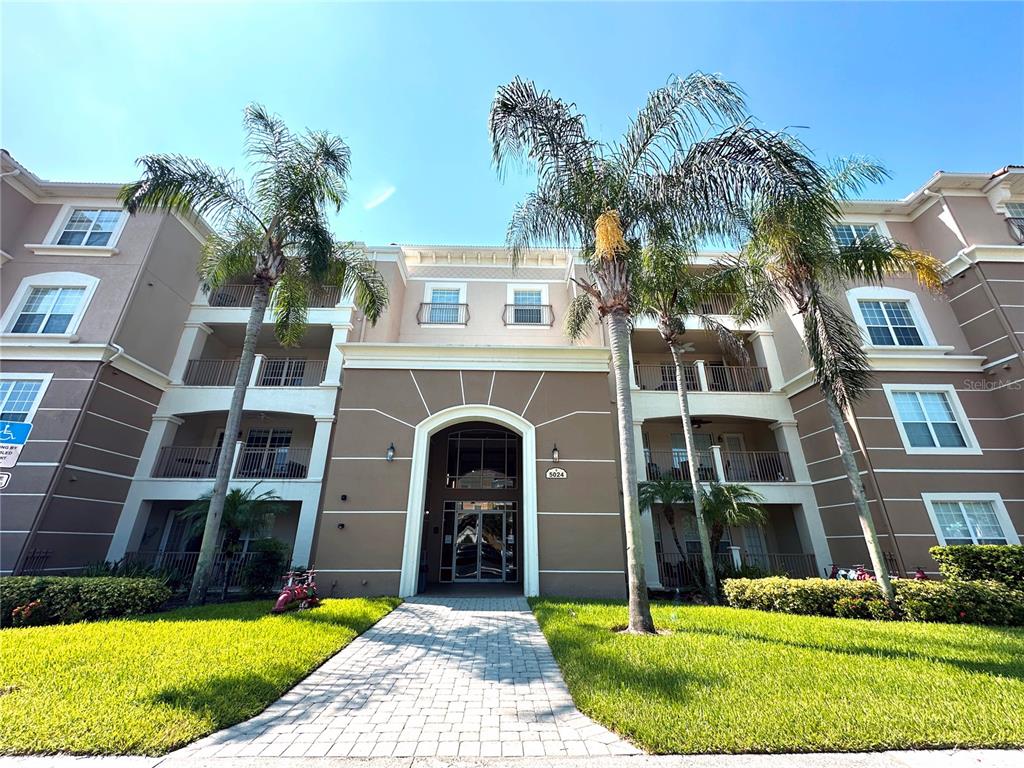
(467, 677)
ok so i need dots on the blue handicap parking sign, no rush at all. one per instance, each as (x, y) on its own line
(14, 432)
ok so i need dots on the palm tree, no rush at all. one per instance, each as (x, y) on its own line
(669, 493)
(275, 231)
(243, 512)
(688, 158)
(731, 505)
(793, 261)
(669, 290)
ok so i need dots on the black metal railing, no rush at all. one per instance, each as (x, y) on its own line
(442, 314)
(757, 466)
(737, 378)
(211, 373)
(187, 461)
(35, 562)
(673, 464)
(661, 377)
(290, 372)
(794, 565)
(1016, 225)
(528, 314)
(285, 462)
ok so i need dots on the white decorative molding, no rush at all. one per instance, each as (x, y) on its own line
(929, 500)
(971, 449)
(49, 249)
(980, 252)
(18, 349)
(456, 357)
(50, 280)
(900, 359)
(418, 487)
(886, 293)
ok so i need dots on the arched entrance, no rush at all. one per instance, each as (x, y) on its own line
(478, 521)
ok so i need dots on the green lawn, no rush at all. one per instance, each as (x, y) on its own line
(151, 684)
(728, 680)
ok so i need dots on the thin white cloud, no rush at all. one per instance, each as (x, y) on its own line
(380, 198)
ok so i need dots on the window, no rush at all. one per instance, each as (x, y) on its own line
(18, 398)
(527, 307)
(445, 305)
(1015, 210)
(851, 234)
(48, 310)
(969, 518)
(931, 419)
(90, 226)
(482, 459)
(890, 323)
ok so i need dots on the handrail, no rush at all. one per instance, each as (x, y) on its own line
(181, 461)
(661, 377)
(737, 378)
(284, 462)
(528, 314)
(433, 313)
(757, 467)
(673, 464)
(290, 372)
(211, 373)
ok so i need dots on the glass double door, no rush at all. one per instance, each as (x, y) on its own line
(484, 540)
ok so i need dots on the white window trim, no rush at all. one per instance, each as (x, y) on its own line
(44, 378)
(428, 292)
(48, 280)
(864, 219)
(510, 294)
(997, 504)
(50, 247)
(971, 449)
(884, 293)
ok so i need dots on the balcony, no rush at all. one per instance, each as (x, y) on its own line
(442, 314)
(241, 295)
(179, 567)
(528, 314)
(270, 372)
(200, 462)
(701, 377)
(736, 466)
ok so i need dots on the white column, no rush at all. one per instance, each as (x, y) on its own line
(646, 514)
(193, 337)
(234, 456)
(320, 452)
(811, 529)
(767, 356)
(716, 457)
(787, 437)
(335, 358)
(305, 531)
(257, 369)
(737, 563)
(702, 376)
(130, 523)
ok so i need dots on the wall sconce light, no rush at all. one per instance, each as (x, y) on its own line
(554, 453)
(390, 455)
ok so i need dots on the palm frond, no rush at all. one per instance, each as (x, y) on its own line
(665, 490)
(876, 258)
(230, 256)
(578, 316)
(835, 347)
(291, 305)
(186, 186)
(357, 275)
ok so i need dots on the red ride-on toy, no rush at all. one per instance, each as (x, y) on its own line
(299, 592)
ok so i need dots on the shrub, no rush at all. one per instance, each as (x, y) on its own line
(953, 601)
(974, 602)
(265, 568)
(38, 600)
(810, 597)
(982, 562)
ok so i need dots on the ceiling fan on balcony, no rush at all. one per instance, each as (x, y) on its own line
(698, 423)
(687, 346)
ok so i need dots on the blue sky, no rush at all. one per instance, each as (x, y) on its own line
(88, 87)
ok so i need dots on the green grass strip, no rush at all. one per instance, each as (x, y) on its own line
(151, 684)
(728, 680)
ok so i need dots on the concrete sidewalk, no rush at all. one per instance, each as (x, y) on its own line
(910, 759)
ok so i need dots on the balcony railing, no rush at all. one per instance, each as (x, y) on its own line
(181, 566)
(528, 314)
(283, 463)
(678, 571)
(1016, 225)
(200, 462)
(179, 461)
(290, 372)
(232, 295)
(241, 295)
(757, 466)
(797, 566)
(661, 377)
(35, 562)
(443, 314)
(719, 304)
(211, 373)
(737, 378)
(673, 464)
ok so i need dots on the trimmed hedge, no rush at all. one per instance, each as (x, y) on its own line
(38, 600)
(968, 602)
(982, 562)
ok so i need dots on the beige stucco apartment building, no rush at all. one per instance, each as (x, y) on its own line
(462, 439)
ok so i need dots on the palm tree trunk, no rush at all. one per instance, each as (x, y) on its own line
(208, 548)
(640, 619)
(711, 584)
(860, 498)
